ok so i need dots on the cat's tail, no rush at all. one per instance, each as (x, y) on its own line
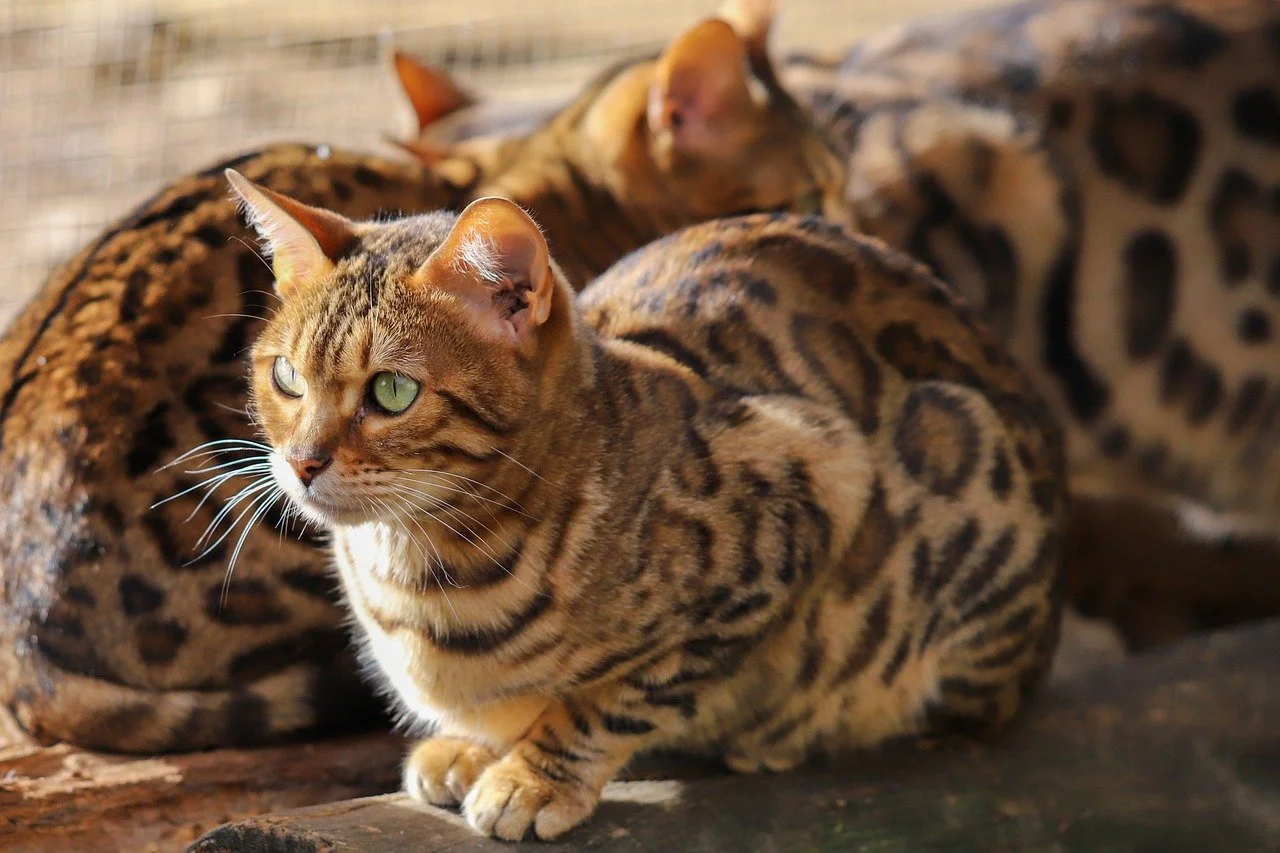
(53, 705)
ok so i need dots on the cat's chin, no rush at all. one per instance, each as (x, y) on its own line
(330, 514)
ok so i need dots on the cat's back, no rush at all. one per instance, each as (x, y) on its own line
(719, 289)
(775, 304)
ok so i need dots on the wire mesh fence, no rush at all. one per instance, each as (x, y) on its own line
(101, 101)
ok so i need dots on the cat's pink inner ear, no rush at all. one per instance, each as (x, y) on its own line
(497, 261)
(304, 241)
(701, 90)
(432, 93)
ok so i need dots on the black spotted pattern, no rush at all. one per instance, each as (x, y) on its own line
(937, 439)
(1146, 143)
(1151, 277)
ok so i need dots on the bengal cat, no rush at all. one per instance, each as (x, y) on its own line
(1101, 178)
(1098, 177)
(120, 628)
(763, 491)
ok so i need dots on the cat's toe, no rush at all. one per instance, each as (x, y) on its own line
(442, 770)
(510, 797)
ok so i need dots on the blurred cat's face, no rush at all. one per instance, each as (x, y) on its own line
(403, 357)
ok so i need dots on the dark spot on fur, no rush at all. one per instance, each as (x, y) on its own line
(138, 595)
(151, 441)
(1273, 277)
(244, 602)
(1001, 474)
(342, 190)
(158, 641)
(1256, 113)
(1234, 210)
(210, 236)
(838, 360)
(1151, 272)
(872, 545)
(937, 439)
(1151, 460)
(1207, 395)
(131, 299)
(875, 630)
(1247, 402)
(307, 580)
(1086, 393)
(367, 177)
(1114, 442)
(1175, 372)
(320, 645)
(1061, 113)
(1254, 326)
(89, 373)
(899, 659)
(1146, 143)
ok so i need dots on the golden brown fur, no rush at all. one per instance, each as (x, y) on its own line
(117, 631)
(764, 491)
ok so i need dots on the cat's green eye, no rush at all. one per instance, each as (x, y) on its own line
(287, 378)
(394, 393)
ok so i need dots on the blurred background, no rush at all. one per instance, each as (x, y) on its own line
(101, 101)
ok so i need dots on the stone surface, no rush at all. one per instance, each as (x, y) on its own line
(1172, 750)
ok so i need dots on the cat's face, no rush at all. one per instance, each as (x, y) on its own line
(404, 355)
(703, 131)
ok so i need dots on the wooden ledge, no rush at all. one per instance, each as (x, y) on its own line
(1174, 750)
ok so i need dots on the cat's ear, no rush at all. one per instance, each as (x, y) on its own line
(752, 20)
(496, 260)
(703, 89)
(432, 93)
(305, 242)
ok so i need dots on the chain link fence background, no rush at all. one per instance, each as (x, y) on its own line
(102, 101)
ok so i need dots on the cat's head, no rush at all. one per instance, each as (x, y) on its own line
(405, 355)
(703, 130)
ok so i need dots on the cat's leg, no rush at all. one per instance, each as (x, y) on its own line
(551, 779)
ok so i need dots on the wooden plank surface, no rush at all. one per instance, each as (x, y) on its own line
(1174, 750)
(64, 799)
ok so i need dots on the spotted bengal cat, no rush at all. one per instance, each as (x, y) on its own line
(1103, 180)
(763, 491)
(119, 627)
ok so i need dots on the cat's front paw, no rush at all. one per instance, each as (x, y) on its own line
(441, 770)
(512, 795)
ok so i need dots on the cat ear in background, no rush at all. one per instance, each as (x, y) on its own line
(751, 20)
(432, 93)
(496, 260)
(703, 90)
(304, 241)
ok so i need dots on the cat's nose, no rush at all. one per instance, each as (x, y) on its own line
(309, 465)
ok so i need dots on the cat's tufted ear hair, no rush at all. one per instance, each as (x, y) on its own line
(752, 20)
(495, 260)
(703, 92)
(304, 241)
(432, 93)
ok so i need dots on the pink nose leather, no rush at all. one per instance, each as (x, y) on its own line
(308, 467)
